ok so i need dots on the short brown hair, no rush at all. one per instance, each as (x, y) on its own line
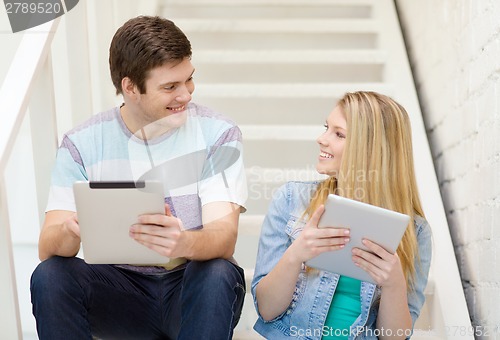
(142, 44)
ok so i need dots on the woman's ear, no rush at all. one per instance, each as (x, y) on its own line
(129, 89)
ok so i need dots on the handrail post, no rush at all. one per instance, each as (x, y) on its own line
(43, 132)
(77, 44)
(10, 322)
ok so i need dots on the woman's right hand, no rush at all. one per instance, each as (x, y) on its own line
(313, 241)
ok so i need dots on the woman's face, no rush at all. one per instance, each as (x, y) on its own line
(331, 143)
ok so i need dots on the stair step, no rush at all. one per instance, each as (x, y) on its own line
(272, 66)
(249, 225)
(276, 111)
(248, 240)
(258, 174)
(289, 40)
(246, 335)
(278, 25)
(258, 73)
(370, 57)
(249, 275)
(265, 3)
(269, 9)
(325, 90)
(281, 132)
(280, 154)
(419, 334)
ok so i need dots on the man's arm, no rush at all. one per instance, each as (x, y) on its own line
(165, 235)
(217, 239)
(60, 235)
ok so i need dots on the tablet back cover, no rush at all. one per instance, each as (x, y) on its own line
(105, 213)
(382, 226)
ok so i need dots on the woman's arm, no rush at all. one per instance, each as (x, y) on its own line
(397, 304)
(393, 313)
(394, 320)
(275, 290)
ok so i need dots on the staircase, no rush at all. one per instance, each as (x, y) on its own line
(276, 67)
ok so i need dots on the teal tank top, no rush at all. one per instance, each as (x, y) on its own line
(344, 309)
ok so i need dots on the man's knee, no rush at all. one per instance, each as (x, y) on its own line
(52, 273)
(213, 283)
(216, 269)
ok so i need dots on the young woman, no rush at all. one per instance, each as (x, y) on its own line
(366, 151)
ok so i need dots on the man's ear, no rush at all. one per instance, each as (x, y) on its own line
(129, 89)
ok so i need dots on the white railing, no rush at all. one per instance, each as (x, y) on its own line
(51, 99)
(28, 84)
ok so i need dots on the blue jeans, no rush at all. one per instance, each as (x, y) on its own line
(74, 300)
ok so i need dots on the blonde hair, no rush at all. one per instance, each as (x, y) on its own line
(377, 165)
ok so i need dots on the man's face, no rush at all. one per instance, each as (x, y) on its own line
(168, 91)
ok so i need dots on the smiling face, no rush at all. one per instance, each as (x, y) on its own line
(331, 143)
(168, 91)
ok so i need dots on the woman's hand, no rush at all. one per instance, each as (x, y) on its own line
(384, 267)
(313, 241)
(274, 292)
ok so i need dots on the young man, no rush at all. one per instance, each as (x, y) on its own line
(199, 293)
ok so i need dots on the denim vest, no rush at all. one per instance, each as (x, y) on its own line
(305, 316)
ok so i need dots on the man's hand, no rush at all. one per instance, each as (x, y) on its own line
(165, 233)
(72, 227)
(161, 233)
(60, 235)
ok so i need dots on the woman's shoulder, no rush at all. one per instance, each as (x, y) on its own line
(294, 194)
(422, 227)
(302, 185)
(297, 190)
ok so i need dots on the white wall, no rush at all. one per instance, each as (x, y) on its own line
(454, 48)
(9, 42)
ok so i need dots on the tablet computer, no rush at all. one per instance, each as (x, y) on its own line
(106, 210)
(382, 226)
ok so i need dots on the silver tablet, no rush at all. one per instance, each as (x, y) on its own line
(385, 227)
(106, 210)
